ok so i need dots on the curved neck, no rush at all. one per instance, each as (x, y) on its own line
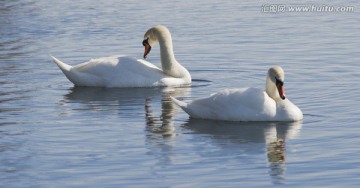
(166, 48)
(166, 52)
(271, 90)
(168, 62)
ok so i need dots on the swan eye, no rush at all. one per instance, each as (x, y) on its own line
(146, 41)
(279, 82)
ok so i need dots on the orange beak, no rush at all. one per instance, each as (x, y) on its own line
(281, 90)
(147, 47)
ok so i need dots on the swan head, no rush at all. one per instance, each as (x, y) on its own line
(150, 39)
(153, 35)
(276, 76)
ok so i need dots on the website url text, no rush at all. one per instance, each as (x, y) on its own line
(282, 8)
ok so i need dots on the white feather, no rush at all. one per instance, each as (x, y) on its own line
(124, 71)
(244, 104)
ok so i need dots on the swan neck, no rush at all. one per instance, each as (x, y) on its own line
(271, 90)
(168, 62)
(166, 51)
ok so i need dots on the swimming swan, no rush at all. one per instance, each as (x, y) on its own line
(247, 104)
(124, 71)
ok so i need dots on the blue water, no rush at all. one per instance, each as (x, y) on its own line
(53, 134)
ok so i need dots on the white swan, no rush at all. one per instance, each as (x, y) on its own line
(124, 71)
(247, 104)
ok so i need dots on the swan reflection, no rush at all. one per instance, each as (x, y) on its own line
(123, 96)
(126, 102)
(160, 129)
(162, 125)
(129, 103)
(251, 139)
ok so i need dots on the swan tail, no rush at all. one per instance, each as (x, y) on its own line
(184, 106)
(63, 66)
(181, 104)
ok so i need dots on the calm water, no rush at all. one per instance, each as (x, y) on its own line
(55, 135)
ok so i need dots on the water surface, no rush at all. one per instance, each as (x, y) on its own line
(53, 134)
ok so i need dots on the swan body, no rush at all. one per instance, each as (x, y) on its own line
(247, 104)
(125, 71)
